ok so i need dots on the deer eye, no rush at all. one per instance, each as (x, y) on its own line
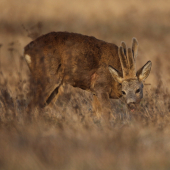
(137, 91)
(123, 93)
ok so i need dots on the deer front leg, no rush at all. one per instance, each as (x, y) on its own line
(101, 106)
(101, 88)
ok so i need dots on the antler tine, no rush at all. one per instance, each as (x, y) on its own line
(124, 47)
(134, 47)
(123, 60)
(132, 68)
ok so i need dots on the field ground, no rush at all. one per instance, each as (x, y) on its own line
(65, 136)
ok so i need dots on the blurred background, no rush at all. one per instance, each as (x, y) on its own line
(67, 137)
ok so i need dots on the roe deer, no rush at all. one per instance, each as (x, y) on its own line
(105, 69)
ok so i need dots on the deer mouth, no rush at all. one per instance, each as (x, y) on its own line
(131, 107)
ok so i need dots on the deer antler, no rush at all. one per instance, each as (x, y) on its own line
(127, 59)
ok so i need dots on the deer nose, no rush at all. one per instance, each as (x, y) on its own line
(131, 100)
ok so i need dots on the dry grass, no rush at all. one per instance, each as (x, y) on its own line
(66, 136)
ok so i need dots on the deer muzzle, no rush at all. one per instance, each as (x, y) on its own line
(131, 102)
(131, 106)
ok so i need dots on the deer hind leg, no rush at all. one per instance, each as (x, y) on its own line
(53, 89)
(42, 95)
(47, 89)
(51, 93)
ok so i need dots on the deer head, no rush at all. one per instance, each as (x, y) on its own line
(131, 81)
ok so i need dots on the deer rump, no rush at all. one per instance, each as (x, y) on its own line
(79, 60)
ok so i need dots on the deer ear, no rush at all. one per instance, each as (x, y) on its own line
(115, 74)
(144, 72)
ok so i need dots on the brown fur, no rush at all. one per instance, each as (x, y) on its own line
(79, 60)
